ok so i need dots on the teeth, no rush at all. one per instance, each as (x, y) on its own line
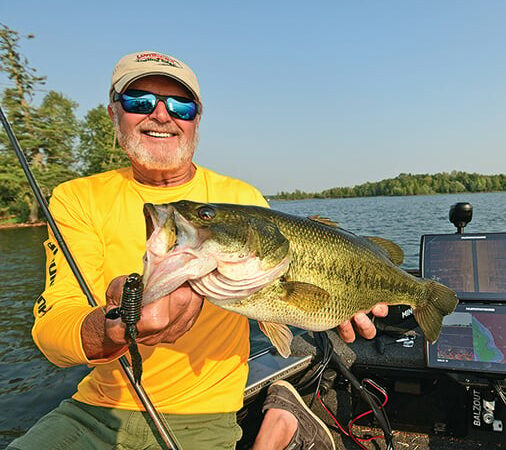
(158, 135)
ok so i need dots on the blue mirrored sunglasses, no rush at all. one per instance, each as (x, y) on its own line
(144, 102)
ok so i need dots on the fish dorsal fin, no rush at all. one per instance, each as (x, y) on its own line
(394, 252)
(324, 220)
(280, 336)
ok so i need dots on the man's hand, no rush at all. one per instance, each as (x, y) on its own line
(362, 323)
(164, 320)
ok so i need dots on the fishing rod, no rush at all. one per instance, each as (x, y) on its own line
(160, 424)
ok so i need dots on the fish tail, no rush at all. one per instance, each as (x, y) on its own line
(441, 301)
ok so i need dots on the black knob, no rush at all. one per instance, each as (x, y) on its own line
(460, 215)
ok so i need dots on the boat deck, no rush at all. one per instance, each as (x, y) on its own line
(427, 409)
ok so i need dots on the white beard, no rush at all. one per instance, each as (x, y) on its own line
(174, 159)
(161, 160)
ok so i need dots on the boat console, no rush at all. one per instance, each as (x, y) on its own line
(453, 388)
(458, 382)
(473, 338)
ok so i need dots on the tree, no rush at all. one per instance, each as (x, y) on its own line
(408, 184)
(12, 202)
(58, 129)
(47, 134)
(16, 100)
(98, 149)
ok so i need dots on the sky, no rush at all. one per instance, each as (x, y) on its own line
(298, 94)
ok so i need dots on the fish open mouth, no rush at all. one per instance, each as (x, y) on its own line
(179, 252)
(172, 252)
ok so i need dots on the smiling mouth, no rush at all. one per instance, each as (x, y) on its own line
(158, 134)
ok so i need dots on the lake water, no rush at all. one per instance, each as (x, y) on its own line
(30, 386)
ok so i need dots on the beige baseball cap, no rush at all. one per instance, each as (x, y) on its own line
(137, 65)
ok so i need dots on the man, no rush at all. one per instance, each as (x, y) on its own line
(194, 353)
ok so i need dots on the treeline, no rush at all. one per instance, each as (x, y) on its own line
(57, 146)
(408, 184)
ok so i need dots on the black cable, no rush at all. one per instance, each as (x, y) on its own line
(316, 377)
(323, 341)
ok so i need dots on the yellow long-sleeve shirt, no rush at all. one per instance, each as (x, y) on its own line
(101, 219)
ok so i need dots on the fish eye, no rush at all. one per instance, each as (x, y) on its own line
(206, 213)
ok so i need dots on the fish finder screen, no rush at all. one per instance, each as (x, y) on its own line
(473, 338)
(473, 265)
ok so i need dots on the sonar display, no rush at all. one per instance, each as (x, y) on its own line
(472, 265)
(472, 338)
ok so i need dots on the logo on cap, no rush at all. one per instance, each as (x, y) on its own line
(158, 57)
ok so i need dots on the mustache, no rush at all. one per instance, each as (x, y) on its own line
(159, 128)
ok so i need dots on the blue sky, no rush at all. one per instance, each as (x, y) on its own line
(297, 94)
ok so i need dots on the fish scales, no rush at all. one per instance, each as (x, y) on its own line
(318, 249)
(282, 269)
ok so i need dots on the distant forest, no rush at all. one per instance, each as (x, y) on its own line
(408, 184)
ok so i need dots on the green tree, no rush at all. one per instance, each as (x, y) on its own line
(12, 203)
(16, 100)
(408, 184)
(98, 149)
(47, 134)
(58, 129)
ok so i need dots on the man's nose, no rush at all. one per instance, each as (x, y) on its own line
(160, 113)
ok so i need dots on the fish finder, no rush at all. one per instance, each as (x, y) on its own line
(473, 265)
(473, 337)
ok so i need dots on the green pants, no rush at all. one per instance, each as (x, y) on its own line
(76, 426)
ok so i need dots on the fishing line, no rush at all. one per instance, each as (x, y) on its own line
(161, 425)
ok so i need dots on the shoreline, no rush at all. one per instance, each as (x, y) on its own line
(7, 226)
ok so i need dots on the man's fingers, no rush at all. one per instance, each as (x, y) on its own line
(380, 310)
(114, 291)
(364, 325)
(346, 332)
(169, 317)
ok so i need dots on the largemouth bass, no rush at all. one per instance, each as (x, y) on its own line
(281, 269)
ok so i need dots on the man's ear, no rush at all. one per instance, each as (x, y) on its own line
(111, 112)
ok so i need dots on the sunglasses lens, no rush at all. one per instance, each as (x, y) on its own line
(143, 104)
(181, 108)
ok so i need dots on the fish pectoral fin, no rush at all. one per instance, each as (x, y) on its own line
(280, 336)
(394, 252)
(304, 295)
